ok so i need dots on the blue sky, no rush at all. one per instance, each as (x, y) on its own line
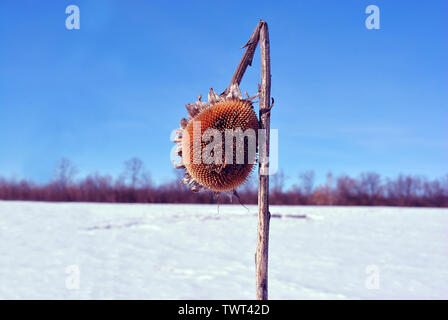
(348, 99)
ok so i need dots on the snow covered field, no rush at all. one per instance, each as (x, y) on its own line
(107, 251)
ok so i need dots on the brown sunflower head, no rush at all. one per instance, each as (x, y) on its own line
(217, 145)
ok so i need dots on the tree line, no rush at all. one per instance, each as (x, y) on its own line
(134, 185)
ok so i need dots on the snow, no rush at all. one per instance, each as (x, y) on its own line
(140, 251)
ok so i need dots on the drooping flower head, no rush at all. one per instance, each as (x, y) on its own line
(217, 144)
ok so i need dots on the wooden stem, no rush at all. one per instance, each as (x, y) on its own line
(261, 35)
(247, 58)
(263, 170)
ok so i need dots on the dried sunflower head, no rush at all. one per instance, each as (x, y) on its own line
(217, 144)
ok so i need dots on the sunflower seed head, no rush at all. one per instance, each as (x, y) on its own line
(222, 178)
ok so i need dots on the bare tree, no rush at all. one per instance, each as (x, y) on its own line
(346, 190)
(64, 173)
(370, 187)
(370, 183)
(134, 171)
(278, 182)
(307, 182)
(146, 180)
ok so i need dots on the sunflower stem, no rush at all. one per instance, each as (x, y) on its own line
(247, 58)
(263, 170)
(260, 34)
